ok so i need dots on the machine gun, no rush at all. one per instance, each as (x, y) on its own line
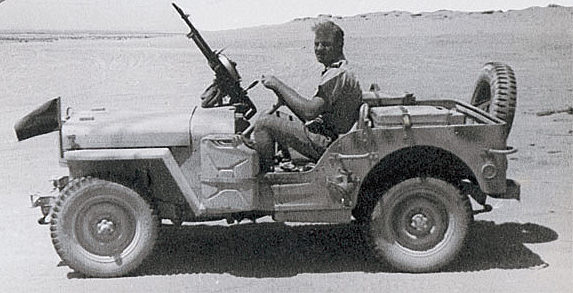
(227, 79)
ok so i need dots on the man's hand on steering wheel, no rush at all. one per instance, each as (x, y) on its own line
(303, 108)
(273, 83)
(270, 81)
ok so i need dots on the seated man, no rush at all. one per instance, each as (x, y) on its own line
(333, 110)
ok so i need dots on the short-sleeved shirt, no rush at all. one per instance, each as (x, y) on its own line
(343, 96)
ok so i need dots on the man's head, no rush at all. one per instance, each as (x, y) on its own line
(328, 42)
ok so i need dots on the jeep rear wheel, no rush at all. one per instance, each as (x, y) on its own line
(419, 225)
(101, 228)
(496, 92)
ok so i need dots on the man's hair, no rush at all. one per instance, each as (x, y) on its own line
(330, 27)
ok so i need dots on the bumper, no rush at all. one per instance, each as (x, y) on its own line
(46, 201)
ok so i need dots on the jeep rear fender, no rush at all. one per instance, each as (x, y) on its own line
(476, 147)
(163, 155)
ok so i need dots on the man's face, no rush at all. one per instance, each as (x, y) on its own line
(325, 48)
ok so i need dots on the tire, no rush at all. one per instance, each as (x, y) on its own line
(101, 228)
(419, 225)
(496, 92)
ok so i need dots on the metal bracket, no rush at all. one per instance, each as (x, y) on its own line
(486, 209)
(371, 157)
(363, 125)
(342, 186)
(475, 192)
(509, 150)
(45, 204)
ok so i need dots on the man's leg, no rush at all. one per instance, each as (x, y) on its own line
(270, 129)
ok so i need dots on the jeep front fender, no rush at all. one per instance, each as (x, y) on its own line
(163, 155)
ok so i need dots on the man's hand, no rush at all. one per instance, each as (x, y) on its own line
(271, 82)
(303, 108)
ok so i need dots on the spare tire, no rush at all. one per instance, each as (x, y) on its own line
(496, 92)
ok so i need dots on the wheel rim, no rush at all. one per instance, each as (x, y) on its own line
(105, 227)
(421, 222)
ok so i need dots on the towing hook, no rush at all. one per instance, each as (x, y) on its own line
(43, 221)
(486, 209)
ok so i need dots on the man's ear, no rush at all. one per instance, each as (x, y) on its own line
(340, 46)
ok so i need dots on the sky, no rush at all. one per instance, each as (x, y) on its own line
(159, 15)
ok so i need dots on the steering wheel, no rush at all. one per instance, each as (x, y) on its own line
(272, 110)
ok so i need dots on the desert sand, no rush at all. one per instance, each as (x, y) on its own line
(522, 246)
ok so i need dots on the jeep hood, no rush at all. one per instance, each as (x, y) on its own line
(99, 128)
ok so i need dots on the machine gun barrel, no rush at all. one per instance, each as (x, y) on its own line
(199, 41)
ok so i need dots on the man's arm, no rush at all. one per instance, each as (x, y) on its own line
(303, 108)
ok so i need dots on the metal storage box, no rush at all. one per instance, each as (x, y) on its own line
(417, 115)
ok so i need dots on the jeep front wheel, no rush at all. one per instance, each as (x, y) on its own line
(101, 228)
(419, 225)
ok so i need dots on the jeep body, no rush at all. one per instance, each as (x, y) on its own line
(405, 172)
(192, 165)
(196, 167)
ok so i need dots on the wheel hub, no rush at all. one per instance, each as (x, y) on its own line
(420, 222)
(105, 227)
